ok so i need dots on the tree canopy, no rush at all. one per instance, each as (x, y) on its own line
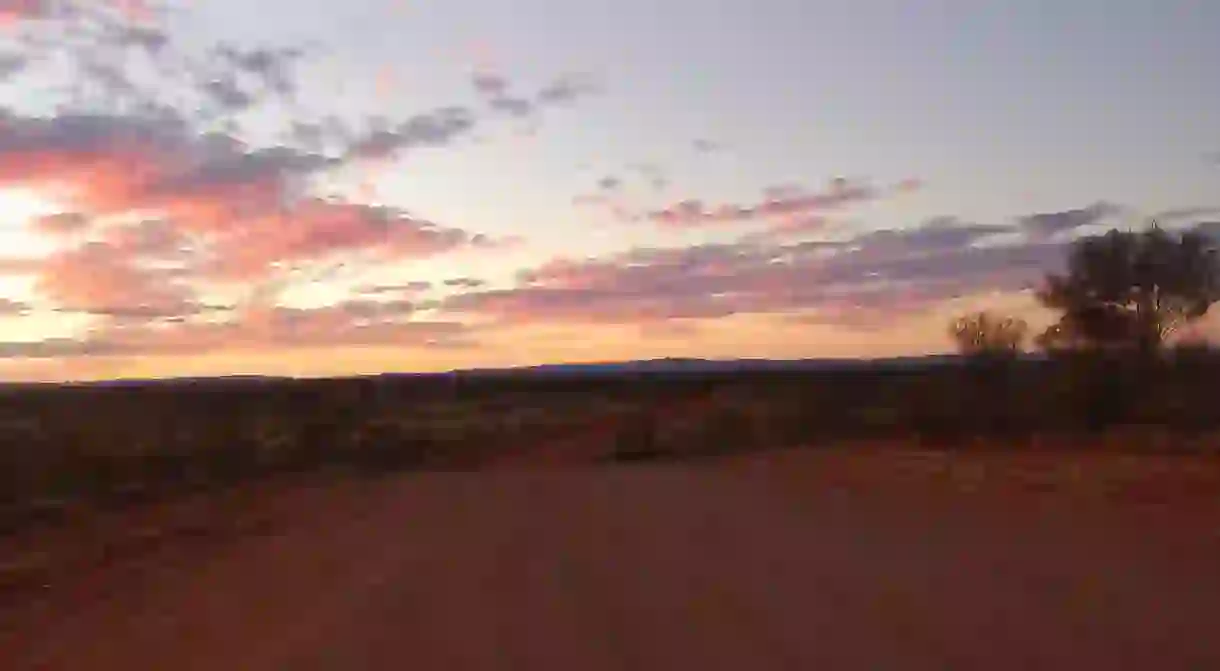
(983, 333)
(1131, 289)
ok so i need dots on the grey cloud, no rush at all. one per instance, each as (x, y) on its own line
(365, 310)
(91, 133)
(226, 93)
(406, 287)
(1187, 214)
(213, 85)
(490, 85)
(12, 64)
(56, 348)
(237, 80)
(175, 162)
(316, 136)
(497, 91)
(220, 161)
(1053, 223)
(108, 79)
(518, 107)
(609, 189)
(271, 67)
(568, 88)
(695, 213)
(784, 191)
(430, 129)
(12, 308)
(938, 234)
(872, 275)
(151, 39)
(653, 174)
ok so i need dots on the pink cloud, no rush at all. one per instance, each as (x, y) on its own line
(780, 203)
(320, 229)
(108, 165)
(243, 212)
(98, 277)
(19, 10)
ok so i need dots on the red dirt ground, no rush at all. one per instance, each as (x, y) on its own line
(791, 560)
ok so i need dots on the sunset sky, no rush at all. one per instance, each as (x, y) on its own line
(317, 188)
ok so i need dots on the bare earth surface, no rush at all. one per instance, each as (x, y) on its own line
(870, 560)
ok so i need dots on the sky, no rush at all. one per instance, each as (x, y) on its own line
(299, 187)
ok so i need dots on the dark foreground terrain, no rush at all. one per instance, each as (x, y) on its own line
(864, 559)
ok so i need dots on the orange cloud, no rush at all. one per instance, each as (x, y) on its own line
(98, 278)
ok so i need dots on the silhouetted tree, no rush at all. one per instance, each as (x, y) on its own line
(984, 333)
(1131, 289)
(992, 343)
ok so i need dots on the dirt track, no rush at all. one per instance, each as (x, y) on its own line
(765, 564)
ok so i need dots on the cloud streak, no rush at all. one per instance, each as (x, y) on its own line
(1055, 223)
(874, 274)
(349, 324)
(497, 93)
(694, 213)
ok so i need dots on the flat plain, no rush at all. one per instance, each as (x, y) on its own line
(792, 559)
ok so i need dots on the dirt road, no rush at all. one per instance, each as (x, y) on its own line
(660, 566)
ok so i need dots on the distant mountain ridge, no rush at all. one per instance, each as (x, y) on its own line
(684, 365)
(662, 366)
